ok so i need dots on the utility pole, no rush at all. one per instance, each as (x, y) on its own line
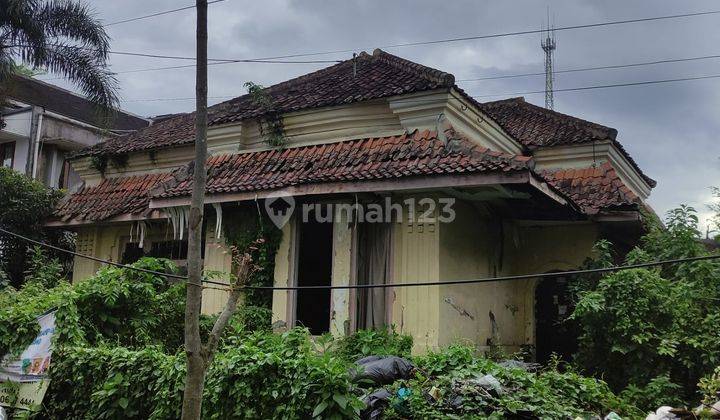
(196, 366)
(548, 45)
(200, 356)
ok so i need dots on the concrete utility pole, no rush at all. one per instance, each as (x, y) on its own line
(200, 356)
(196, 368)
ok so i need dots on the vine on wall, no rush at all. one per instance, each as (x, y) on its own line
(243, 226)
(270, 122)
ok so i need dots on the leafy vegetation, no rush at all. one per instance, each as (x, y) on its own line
(119, 355)
(243, 227)
(24, 206)
(270, 121)
(653, 331)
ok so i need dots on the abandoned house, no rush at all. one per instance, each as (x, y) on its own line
(41, 123)
(529, 190)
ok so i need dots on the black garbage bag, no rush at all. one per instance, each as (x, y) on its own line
(375, 404)
(382, 371)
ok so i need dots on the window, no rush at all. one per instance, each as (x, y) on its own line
(7, 154)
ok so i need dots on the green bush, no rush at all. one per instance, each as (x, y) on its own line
(384, 342)
(24, 206)
(261, 376)
(658, 322)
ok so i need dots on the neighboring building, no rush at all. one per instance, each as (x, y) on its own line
(534, 190)
(43, 122)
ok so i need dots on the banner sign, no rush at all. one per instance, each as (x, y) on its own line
(23, 380)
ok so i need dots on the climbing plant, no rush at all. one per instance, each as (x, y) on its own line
(243, 226)
(270, 121)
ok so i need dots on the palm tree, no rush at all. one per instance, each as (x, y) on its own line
(62, 37)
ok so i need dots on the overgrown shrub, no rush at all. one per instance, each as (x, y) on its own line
(24, 206)
(261, 375)
(384, 342)
(658, 322)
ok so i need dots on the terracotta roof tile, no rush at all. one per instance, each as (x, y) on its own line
(537, 127)
(367, 77)
(593, 189)
(410, 154)
(112, 197)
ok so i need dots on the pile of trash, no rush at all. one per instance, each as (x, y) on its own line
(395, 387)
(703, 411)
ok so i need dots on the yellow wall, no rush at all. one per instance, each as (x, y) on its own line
(106, 242)
(416, 259)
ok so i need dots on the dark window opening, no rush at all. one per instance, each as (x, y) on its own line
(553, 333)
(7, 154)
(172, 250)
(314, 269)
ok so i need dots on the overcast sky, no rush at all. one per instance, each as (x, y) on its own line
(670, 129)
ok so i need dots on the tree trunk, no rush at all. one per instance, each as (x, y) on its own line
(195, 378)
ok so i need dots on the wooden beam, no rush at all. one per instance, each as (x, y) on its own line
(406, 185)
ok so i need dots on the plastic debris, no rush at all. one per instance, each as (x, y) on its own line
(375, 404)
(612, 416)
(3, 414)
(434, 393)
(518, 364)
(383, 370)
(662, 413)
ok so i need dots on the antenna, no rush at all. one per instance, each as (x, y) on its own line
(548, 45)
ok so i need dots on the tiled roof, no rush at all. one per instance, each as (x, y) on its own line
(537, 127)
(593, 189)
(112, 197)
(411, 154)
(172, 132)
(53, 98)
(366, 77)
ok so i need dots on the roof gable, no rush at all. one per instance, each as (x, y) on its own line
(537, 127)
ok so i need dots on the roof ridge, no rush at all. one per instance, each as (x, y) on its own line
(435, 75)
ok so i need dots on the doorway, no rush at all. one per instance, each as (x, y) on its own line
(314, 269)
(553, 333)
(374, 243)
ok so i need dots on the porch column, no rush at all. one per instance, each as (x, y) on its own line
(341, 272)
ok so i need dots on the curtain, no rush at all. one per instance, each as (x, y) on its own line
(373, 265)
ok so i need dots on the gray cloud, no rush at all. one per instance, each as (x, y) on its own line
(669, 129)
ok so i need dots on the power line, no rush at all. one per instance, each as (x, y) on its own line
(492, 279)
(457, 39)
(534, 92)
(118, 22)
(388, 285)
(616, 85)
(616, 66)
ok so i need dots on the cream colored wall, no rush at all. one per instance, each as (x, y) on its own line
(543, 248)
(468, 250)
(106, 242)
(416, 258)
(475, 246)
(218, 257)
